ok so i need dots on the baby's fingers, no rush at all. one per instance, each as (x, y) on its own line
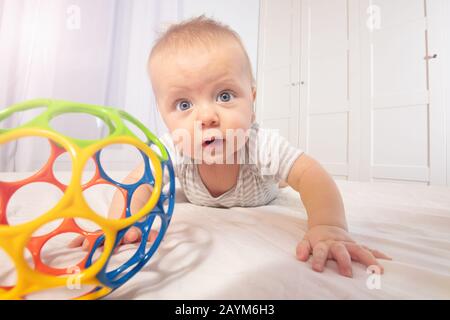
(378, 254)
(343, 259)
(320, 256)
(77, 242)
(303, 250)
(133, 235)
(152, 236)
(363, 256)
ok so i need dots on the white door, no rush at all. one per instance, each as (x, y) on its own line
(278, 78)
(328, 117)
(395, 91)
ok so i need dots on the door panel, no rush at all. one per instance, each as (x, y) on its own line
(279, 67)
(325, 96)
(395, 101)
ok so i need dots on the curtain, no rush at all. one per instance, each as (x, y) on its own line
(90, 51)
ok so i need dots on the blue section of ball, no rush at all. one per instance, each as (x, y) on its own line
(117, 277)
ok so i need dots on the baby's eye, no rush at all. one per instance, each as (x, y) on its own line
(184, 105)
(225, 96)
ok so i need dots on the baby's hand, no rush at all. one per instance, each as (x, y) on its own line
(131, 236)
(330, 242)
(139, 199)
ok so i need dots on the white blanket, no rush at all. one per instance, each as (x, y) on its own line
(249, 253)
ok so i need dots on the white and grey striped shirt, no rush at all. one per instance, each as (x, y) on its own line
(265, 160)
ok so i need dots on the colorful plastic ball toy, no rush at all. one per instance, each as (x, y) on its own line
(93, 269)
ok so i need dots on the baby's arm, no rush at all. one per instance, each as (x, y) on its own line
(139, 199)
(318, 192)
(327, 236)
(116, 208)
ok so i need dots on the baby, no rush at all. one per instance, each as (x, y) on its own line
(204, 88)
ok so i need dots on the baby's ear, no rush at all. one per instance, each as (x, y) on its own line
(254, 93)
(254, 98)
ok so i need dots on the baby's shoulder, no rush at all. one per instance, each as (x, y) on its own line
(271, 154)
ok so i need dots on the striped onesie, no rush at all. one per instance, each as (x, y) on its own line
(265, 160)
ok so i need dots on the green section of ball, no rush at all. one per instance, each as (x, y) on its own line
(112, 117)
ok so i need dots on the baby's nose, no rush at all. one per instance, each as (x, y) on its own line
(208, 117)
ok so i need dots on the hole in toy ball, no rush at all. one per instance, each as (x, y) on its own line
(88, 171)
(166, 189)
(8, 275)
(156, 149)
(28, 258)
(155, 233)
(18, 154)
(74, 289)
(123, 254)
(155, 230)
(60, 251)
(120, 255)
(93, 128)
(56, 253)
(48, 228)
(62, 169)
(120, 160)
(128, 255)
(166, 205)
(136, 131)
(140, 198)
(87, 225)
(105, 200)
(67, 249)
(19, 118)
(28, 203)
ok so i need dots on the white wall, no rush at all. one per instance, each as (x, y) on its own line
(101, 62)
(242, 16)
(446, 87)
(130, 86)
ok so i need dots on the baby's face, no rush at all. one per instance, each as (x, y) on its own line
(205, 97)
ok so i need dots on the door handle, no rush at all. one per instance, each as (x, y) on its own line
(434, 56)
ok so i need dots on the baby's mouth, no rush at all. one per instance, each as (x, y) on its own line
(211, 141)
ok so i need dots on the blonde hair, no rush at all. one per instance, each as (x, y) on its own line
(197, 31)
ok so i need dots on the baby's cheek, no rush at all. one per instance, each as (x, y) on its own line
(183, 139)
(241, 117)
